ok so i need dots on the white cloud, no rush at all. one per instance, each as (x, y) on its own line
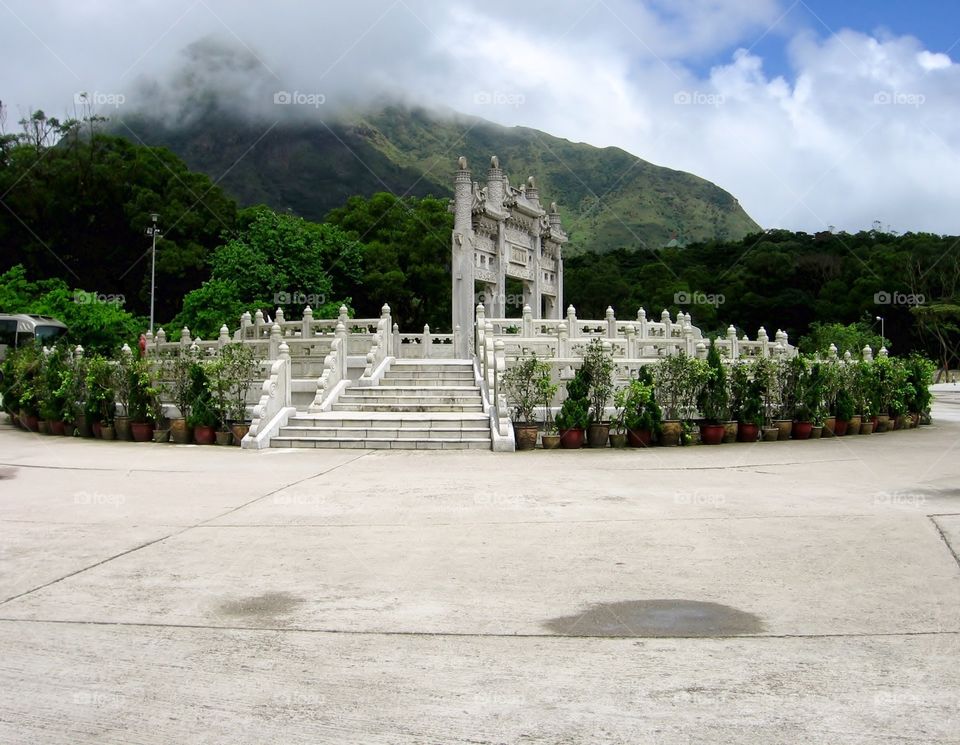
(865, 127)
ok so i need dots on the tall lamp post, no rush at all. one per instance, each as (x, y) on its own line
(155, 233)
(883, 336)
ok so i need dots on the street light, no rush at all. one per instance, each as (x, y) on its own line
(155, 233)
(883, 336)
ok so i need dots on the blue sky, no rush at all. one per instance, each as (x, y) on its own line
(936, 23)
(810, 112)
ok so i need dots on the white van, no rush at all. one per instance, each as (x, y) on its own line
(17, 329)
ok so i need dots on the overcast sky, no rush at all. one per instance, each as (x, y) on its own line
(810, 115)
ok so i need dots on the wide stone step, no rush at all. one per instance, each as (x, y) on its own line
(410, 407)
(387, 420)
(381, 444)
(409, 390)
(453, 398)
(383, 433)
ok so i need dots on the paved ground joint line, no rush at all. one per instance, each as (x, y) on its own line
(202, 523)
(943, 537)
(471, 634)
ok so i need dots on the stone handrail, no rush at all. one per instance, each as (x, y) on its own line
(382, 347)
(422, 346)
(275, 399)
(334, 374)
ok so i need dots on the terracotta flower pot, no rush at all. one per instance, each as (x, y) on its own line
(141, 431)
(161, 435)
(816, 432)
(618, 439)
(97, 430)
(853, 428)
(57, 427)
(43, 426)
(550, 442)
(829, 426)
(711, 434)
(83, 426)
(747, 432)
(204, 435)
(122, 425)
(771, 434)
(729, 432)
(866, 427)
(224, 438)
(571, 439)
(239, 432)
(883, 423)
(784, 426)
(525, 436)
(840, 427)
(180, 433)
(639, 438)
(108, 432)
(597, 435)
(801, 430)
(670, 433)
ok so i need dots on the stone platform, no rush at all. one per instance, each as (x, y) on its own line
(800, 592)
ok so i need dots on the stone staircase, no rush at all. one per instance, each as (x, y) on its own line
(418, 405)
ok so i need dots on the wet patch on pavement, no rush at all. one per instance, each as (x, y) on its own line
(268, 606)
(8, 473)
(662, 617)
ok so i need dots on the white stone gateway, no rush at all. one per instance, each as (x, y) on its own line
(500, 231)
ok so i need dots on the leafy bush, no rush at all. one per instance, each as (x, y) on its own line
(575, 411)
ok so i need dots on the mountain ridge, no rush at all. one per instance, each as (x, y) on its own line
(608, 197)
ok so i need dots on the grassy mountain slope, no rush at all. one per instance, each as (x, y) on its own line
(609, 198)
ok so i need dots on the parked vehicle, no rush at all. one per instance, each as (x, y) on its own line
(18, 329)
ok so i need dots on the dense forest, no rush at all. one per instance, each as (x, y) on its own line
(76, 204)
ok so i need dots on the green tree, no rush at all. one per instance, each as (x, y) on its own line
(406, 257)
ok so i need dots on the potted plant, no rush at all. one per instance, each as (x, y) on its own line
(574, 416)
(746, 398)
(177, 371)
(642, 415)
(218, 385)
(521, 385)
(885, 381)
(618, 427)
(844, 413)
(831, 388)
(122, 376)
(598, 365)
(713, 398)
(101, 401)
(140, 396)
(781, 397)
(161, 425)
(865, 394)
(203, 414)
(765, 377)
(547, 389)
(801, 394)
(919, 374)
(241, 368)
(676, 379)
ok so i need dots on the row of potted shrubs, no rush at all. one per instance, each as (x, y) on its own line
(681, 399)
(57, 392)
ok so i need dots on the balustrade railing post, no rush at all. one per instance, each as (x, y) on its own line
(498, 364)
(306, 324)
(258, 324)
(527, 321)
(427, 341)
(387, 322)
(275, 340)
(396, 341)
(572, 330)
(611, 323)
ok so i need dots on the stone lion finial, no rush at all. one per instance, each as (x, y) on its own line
(553, 207)
(462, 163)
(531, 184)
(494, 161)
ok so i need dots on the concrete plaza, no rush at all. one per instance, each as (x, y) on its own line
(795, 592)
